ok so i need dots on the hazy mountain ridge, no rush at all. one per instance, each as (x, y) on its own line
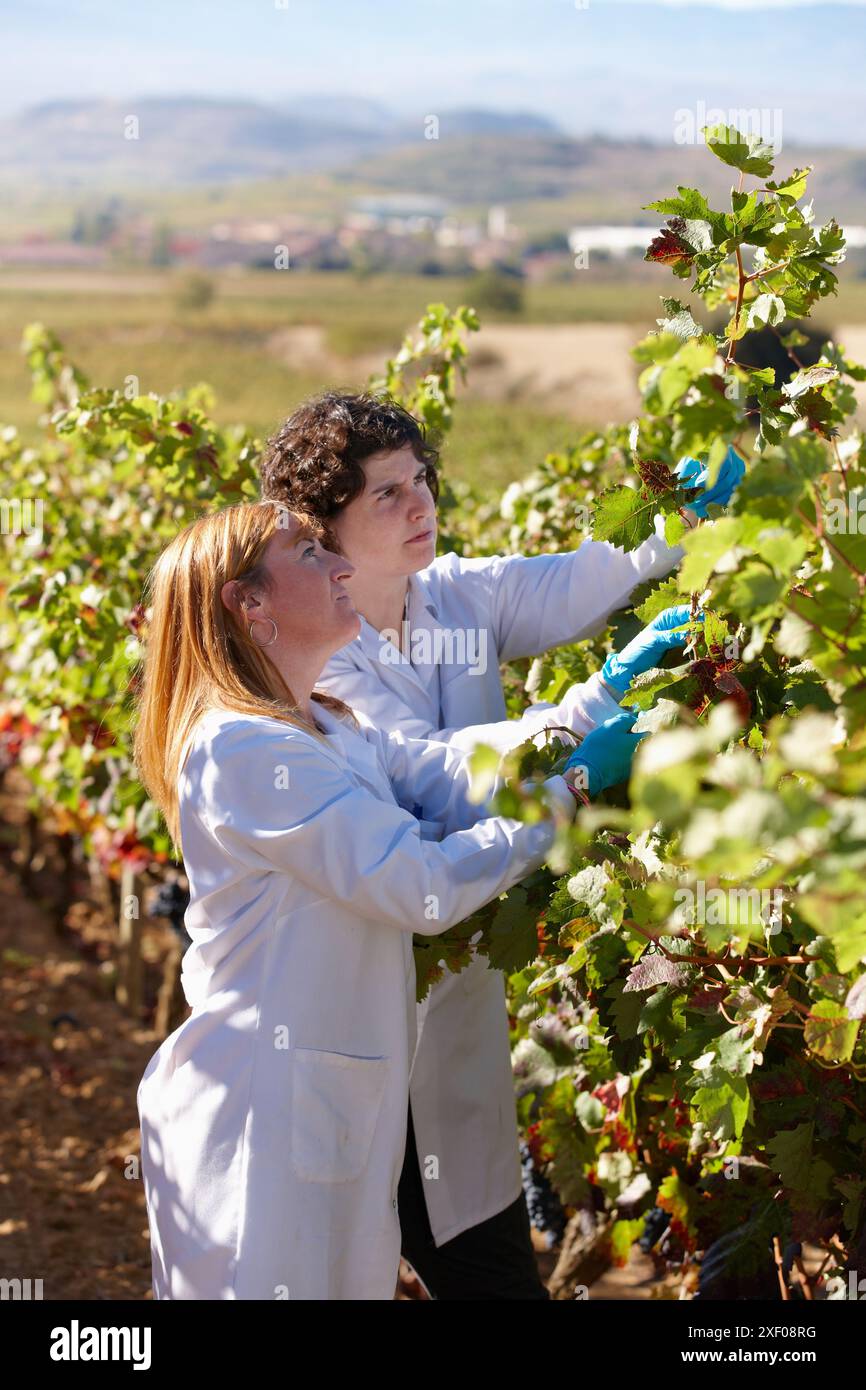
(479, 157)
(181, 140)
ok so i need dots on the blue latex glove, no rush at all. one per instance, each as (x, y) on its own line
(646, 650)
(694, 474)
(606, 753)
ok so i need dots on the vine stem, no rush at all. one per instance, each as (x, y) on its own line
(790, 351)
(841, 646)
(772, 270)
(818, 531)
(670, 955)
(711, 959)
(842, 469)
(741, 285)
(777, 960)
(777, 1256)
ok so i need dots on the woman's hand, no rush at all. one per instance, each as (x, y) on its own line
(667, 630)
(694, 474)
(604, 757)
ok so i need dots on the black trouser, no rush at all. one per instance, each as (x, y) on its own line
(492, 1260)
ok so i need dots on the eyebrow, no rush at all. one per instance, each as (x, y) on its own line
(395, 482)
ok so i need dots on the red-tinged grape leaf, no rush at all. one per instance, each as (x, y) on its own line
(675, 1196)
(777, 1085)
(705, 1001)
(816, 410)
(624, 517)
(670, 246)
(609, 1095)
(655, 970)
(622, 1236)
(657, 476)
(729, 685)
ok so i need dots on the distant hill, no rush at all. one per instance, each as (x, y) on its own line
(66, 149)
(68, 145)
(607, 179)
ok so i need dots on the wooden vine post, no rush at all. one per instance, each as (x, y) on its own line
(128, 991)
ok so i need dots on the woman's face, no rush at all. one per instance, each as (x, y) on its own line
(307, 601)
(377, 529)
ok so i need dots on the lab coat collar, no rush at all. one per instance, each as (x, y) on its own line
(420, 593)
(361, 755)
(422, 613)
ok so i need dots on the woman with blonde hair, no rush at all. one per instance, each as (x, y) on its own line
(273, 1119)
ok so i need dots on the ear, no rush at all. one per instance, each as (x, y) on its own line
(235, 601)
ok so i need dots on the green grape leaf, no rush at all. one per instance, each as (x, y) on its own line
(792, 1154)
(830, 1032)
(624, 517)
(747, 152)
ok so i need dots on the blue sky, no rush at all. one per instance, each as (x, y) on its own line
(614, 67)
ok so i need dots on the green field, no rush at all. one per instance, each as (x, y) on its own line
(120, 323)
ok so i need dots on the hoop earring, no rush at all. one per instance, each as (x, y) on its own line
(263, 620)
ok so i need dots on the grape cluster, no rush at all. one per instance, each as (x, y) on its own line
(545, 1209)
(172, 901)
(655, 1224)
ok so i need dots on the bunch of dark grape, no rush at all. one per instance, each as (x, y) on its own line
(172, 901)
(655, 1224)
(545, 1209)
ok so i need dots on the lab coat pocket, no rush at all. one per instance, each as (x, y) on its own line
(335, 1106)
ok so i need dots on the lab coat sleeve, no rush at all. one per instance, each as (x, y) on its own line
(435, 776)
(583, 706)
(297, 811)
(543, 601)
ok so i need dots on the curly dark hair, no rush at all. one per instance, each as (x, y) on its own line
(313, 462)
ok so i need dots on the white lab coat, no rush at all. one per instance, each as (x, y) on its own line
(461, 1087)
(273, 1119)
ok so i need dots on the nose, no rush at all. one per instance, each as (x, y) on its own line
(419, 508)
(341, 568)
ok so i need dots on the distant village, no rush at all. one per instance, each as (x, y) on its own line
(409, 234)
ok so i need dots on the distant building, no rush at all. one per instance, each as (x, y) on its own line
(400, 214)
(260, 229)
(224, 251)
(618, 241)
(498, 226)
(453, 232)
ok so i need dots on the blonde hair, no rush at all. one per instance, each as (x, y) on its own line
(199, 655)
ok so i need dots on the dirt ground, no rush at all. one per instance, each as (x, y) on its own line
(584, 370)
